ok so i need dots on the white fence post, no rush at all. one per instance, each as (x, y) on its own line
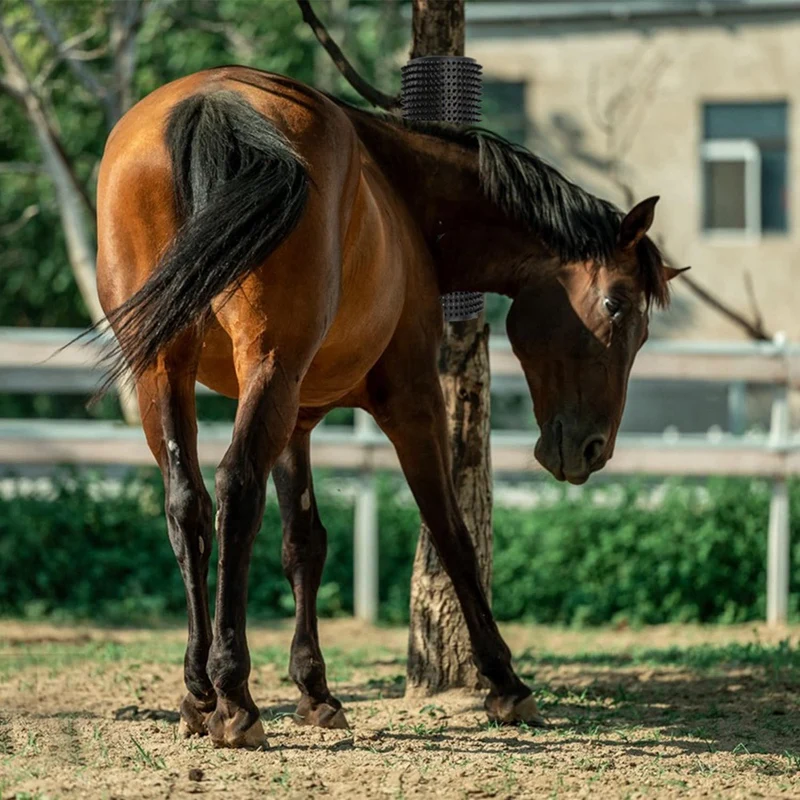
(778, 545)
(365, 539)
(737, 407)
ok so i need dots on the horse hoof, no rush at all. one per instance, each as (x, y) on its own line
(186, 731)
(225, 733)
(194, 720)
(510, 711)
(323, 715)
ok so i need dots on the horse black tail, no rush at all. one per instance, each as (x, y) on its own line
(240, 190)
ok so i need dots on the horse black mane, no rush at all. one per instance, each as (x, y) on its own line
(575, 224)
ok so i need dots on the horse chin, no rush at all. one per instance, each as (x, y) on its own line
(577, 480)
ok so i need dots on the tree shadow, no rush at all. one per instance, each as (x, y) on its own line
(647, 704)
(698, 700)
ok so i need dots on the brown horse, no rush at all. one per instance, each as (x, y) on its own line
(288, 250)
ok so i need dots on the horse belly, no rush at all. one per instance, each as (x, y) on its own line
(362, 330)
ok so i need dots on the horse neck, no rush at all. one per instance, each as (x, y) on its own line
(474, 246)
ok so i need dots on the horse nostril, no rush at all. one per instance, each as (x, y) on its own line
(593, 449)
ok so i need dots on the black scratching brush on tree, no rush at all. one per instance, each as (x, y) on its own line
(445, 89)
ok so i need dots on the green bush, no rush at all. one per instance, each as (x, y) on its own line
(687, 558)
(689, 555)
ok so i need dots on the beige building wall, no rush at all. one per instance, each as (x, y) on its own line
(659, 82)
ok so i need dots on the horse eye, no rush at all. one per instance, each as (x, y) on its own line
(614, 307)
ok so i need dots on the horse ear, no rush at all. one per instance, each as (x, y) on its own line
(636, 223)
(672, 272)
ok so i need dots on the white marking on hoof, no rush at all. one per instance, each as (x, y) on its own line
(216, 519)
(305, 500)
(202, 546)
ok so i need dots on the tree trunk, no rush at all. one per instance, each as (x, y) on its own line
(437, 28)
(439, 654)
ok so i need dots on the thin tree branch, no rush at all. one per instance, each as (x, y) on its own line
(758, 319)
(8, 88)
(79, 38)
(753, 329)
(89, 55)
(242, 47)
(63, 50)
(26, 216)
(365, 89)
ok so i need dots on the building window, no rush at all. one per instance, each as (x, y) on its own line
(732, 176)
(504, 108)
(745, 158)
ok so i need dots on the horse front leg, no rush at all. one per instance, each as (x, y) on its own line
(415, 420)
(305, 543)
(264, 422)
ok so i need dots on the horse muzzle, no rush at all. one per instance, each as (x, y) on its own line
(572, 452)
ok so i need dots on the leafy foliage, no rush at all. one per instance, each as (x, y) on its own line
(692, 554)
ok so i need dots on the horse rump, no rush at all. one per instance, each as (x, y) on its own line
(240, 189)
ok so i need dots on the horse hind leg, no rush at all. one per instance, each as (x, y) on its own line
(167, 404)
(303, 555)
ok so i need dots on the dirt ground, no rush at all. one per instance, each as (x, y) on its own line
(662, 712)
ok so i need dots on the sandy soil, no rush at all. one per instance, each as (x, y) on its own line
(663, 712)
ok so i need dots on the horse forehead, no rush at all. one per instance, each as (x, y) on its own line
(620, 277)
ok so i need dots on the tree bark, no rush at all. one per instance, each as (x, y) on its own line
(437, 28)
(439, 653)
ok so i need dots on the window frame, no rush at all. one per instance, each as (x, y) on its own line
(748, 152)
